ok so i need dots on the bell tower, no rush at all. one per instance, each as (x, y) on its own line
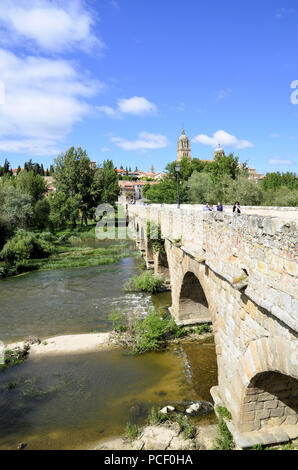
(183, 148)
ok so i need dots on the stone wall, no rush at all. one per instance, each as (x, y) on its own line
(246, 266)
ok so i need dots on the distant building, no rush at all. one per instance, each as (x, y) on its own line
(183, 147)
(132, 190)
(253, 175)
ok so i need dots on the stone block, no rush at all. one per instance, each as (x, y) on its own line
(270, 404)
(262, 414)
(277, 412)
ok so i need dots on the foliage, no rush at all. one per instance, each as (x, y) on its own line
(145, 282)
(154, 237)
(188, 429)
(14, 357)
(205, 328)
(154, 330)
(132, 431)
(31, 183)
(224, 440)
(41, 214)
(223, 412)
(73, 178)
(156, 417)
(119, 322)
(25, 245)
(16, 206)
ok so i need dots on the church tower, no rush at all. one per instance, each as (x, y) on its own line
(183, 149)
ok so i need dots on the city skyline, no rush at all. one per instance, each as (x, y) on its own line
(120, 79)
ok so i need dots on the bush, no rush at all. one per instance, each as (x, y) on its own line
(25, 245)
(224, 440)
(145, 282)
(154, 330)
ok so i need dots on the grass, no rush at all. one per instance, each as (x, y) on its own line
(132, 431)
(224, 440)
(223, 412)
(205, 328)
(145, 282)
(154, 331)
(13, 358)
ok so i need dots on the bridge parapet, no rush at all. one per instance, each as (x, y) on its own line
(255, 253)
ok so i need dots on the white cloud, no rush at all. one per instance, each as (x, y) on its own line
(109, 111)
(138, 106)
(105, 149)
(279, 161)
(224, 139)
(44, 98)
(52, 25)
(145, 141)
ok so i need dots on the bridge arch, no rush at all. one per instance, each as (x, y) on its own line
(193, 304)
(269, 385)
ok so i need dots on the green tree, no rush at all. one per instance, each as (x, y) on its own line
(41, 214)
(31, 183)
(74, 179)
(16, 206)
(105, 184)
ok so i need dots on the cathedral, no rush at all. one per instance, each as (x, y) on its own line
(184, 149)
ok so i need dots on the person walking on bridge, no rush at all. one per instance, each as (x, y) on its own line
(236, 208)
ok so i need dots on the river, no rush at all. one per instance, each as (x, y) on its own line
(73, 402)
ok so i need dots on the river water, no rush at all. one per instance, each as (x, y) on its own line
(73, 402)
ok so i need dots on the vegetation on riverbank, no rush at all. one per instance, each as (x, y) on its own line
(29, 251)
(14, 357)
(153, 332)
(145, 282)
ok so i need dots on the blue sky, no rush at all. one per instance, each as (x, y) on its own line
(120, 78)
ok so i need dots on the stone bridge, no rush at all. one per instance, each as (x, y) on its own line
(240, 274)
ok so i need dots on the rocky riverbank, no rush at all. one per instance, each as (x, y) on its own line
(164, 437)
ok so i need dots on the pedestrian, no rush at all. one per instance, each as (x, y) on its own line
(206, 207)
(236, 208)
(219, 207)
(211, 208)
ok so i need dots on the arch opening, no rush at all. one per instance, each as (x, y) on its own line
(271, 400)
(193, 304)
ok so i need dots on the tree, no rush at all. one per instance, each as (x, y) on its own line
(74, 180)
(31, 183)
(105, 184)
(225, 165)
(41, 214)
(16, 206)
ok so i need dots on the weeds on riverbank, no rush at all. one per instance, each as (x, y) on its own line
(132, 431)
(145, 282)
(65, 250)
(13, 358)
(146, 334)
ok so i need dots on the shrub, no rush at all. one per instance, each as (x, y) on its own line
(25, 245)
(145, 282)
(118, 321)
(154, 330)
